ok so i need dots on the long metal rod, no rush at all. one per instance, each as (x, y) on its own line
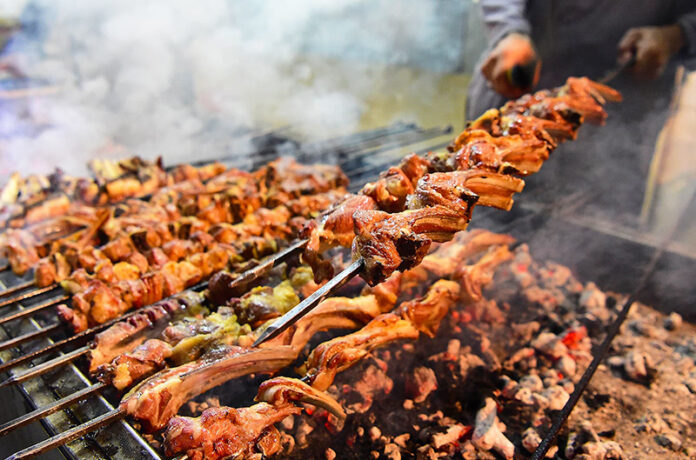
(33, 309)
(28, 295)
(304, 307)
(45, 367)
(18, 287)
(550, 437)
(51, 408)
(29, 336)
(243, 280)
(69, 435)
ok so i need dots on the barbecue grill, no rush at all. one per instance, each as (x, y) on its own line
(362, 156)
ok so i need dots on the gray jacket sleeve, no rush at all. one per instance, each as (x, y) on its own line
(503, 17)
(687, 21)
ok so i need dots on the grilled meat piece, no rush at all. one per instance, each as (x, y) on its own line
(511, 153)
(461, 189)
(390, 191)
(337, 355)
(389, 242)
(225, 432)
(473, 278)
(156, 400)
(426, 313)
(332, 228)
(282, 391)
(134, 330)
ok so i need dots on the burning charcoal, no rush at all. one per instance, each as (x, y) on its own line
(329, 454)
(566, 366)
(645, 328)
(638, 366)
(303, 430)
(673, 321)
(593, 300)
(550, 344)
(524, 396)
(509, 387)
(450, 437)
(530, 439)
(420, 384)
(373, 382)
(556, 396)
(548, 299)
(525, 331)
(488, 431)
(670, 441)
(374, 433)
(523, 360)
(402, 439)
(392, 452)
(287, 443)
(533, 382)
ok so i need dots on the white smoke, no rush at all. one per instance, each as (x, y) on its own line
(178, 78)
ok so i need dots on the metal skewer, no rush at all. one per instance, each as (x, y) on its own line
(33, 309)
(51, 408)
(84, 335)
(304, 307)
(242, 281)
(48, 366)
(69, 435)
(29, 336)
(26, 295)
(18, 287)
(268, 263)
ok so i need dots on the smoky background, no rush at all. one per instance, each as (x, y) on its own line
(178, 79)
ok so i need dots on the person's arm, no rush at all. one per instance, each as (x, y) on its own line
(503, 18)
(508, 33)
(654, 46)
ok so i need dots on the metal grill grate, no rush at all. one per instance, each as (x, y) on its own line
(361, 155)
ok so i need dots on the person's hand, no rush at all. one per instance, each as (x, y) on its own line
(514, 49)
(652, 46)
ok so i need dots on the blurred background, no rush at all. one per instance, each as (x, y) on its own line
(176, 78)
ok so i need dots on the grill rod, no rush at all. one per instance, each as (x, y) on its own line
(241, 282)
(29, 336)
(16, 288)
(69, 435)
(45, 367)
(51, 408)
(26, 295)
(33, 309)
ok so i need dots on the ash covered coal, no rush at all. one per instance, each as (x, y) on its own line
(490, 382)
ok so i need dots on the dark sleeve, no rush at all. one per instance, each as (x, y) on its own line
(503, 17)
(686, 18)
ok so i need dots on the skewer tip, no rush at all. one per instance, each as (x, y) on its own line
(268, 334)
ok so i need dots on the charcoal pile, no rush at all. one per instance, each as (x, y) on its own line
(489, 383)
